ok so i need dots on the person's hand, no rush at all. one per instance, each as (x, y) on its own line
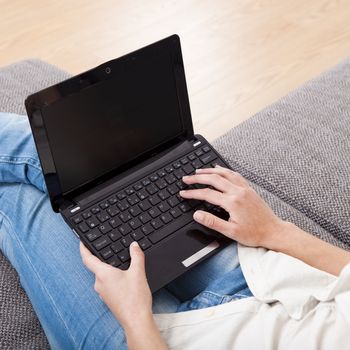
(126, 293)
(251, 222)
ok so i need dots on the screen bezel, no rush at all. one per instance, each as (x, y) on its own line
(44, 98)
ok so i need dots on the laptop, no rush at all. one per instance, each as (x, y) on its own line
(114, 143)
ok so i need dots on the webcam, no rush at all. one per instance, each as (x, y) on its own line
(108, 70)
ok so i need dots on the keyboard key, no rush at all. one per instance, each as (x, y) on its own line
(92, 222)
(137, 235)
(175, 212)
(126, 241)
(170, 228)
(154, 178)
(123, 205)
(161, 173)
(117, 247)
(145, 244)
(163, 207)
(124, 255)
(113, 211)
(144, 218)
(179, 173)
(199, 153)
(83, 227)
(125, 217)
(188, 169)
(173, 189)
(129, 191)
(92, 235)
(86, 215)
(133, 199)
(154, 212)
(146, 182)
(101, 243)
(104, 205)
(115, 262)
(115, 222)
(170, 179)
(145, 205)
(173, 201)
(124, 229)
(95, 210)
(106, 253)
(184, 207)
(197, 164)
(154, 200)
(77, 219)
(147, 229)
(121, 196)
(191, 157)
(177, 165)
(142, 194)
(138, 187)
(207, 158)
(161, 184)
(105, 228)
(169, 169)
(206, 149)
(112, 200)
(163, 195)
(135, 211)
(156, 223)
(135, 223)
(103, 216)
(151, 189)
(166, 218)
(181, 185)
(184, 161)
(114, 235)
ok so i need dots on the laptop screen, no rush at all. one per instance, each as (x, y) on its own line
(111, 122)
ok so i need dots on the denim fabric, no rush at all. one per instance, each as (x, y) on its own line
(45, 253)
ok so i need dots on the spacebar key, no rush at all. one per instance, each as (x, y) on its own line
(171, 228)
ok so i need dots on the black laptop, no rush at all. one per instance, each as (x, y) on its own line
(114, 143)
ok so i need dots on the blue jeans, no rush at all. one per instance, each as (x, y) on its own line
(45, 253)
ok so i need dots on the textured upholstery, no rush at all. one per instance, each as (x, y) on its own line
(295, 153)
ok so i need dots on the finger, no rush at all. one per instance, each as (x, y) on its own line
(228, 174)
(213, 222)
(90, 261)
(215, 180)
(137, 258)
(206, 194)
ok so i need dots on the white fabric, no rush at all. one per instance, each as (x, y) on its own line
(295, 306)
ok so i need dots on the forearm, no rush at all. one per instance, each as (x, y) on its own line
(144, 335)
(295, 242)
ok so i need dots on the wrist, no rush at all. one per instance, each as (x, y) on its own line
(142, 320)
(278, 237)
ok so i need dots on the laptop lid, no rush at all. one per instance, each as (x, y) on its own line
(97, 124)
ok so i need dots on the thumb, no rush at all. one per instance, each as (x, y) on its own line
(137, 257)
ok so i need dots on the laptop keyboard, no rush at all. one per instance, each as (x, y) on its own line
(147, 211)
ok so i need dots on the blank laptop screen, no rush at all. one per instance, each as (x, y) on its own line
(114, 121)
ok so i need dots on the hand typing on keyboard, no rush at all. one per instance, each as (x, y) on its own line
(251, 221)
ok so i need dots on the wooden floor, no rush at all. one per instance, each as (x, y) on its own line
(239, 56)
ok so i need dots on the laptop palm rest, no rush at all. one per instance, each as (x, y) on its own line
(168, 262)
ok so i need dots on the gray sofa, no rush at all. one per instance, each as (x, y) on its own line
(295, 153)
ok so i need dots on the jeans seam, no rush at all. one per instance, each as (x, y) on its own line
(5, 217)
(29, 161)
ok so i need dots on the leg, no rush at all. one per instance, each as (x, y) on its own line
(45, 253)
(18, 158)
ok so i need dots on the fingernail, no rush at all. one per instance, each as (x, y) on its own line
(198, 216)
(185, 177)
(199, 170)
(182, 192)
(218, 166)
(134, 244)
